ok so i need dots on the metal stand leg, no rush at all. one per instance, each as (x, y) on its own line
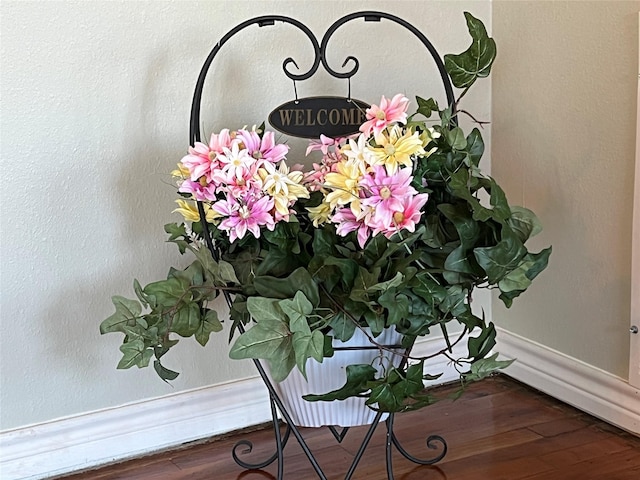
(363, 446)
(433, 442)
(281, 442)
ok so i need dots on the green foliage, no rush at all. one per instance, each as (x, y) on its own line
(299, 286)
(175, 305)
(281, 332)
(476, 61)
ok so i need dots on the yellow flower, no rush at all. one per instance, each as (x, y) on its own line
(190, 211)
(344, 184)
(319, 214)
(281, 181)
(428, 135)
(282, 185)
(396, 148)
(181, 173)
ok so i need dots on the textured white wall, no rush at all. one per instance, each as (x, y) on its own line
(564, 143)
(95, 107)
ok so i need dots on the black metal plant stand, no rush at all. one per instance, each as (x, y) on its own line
(434, 442)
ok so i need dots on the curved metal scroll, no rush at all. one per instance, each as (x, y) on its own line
(194, 132)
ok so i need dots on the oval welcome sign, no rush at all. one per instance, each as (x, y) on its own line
(312, 116)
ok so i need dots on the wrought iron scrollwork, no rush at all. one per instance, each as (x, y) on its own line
(392, 440)
(319, 51)
(263, 21)
(320, 57)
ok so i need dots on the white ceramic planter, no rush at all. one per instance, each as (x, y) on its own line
(331, 375)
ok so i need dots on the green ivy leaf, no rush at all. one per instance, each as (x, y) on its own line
(134, 353)
(127, 312)
(455, 301)
(160, 350)
(187, 319)
(276, 263)
(227, 273)
(166, 293)
(384, 396)
(397, 306)
(285, 236)
(475, 147)
(455, 138)
(297, 310)
(282, 361)
(375, 322)
(411, 384)
(498, 200)
(178, 235)
(524, 223)
(323, 242)
(164, 373)
(458, 261)
(485, 366)
(459, 185)
(343, 327)
(481, 345)
(268, 339)
(193, 275)
(263, 309)
(348, 270)
(467, 228)
(427, 107)
(384, 286)
(209, 324)
(300, 279)
(209, 265)
(475, 62)
(307, 345)
(246, 263)
(502, 258)
(358, 378)
(427, 288)
(517, 281)
(140, 293)
(364, 280)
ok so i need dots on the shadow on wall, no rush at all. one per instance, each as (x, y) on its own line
(138, 205)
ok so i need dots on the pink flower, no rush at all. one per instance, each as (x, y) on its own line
(218, 142)
(314, 179)
(348, 222)
(238, 183)
(200, 192)
(380, 117)
(243, 217)
(200, 161)
(202, 158)
(384, 192)
(323, 144)
(406, 218)
(264, 148)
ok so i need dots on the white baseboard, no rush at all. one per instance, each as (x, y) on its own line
(88, 440)
(584, 386)
(97, 438)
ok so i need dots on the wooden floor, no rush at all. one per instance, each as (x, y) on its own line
(499, 430)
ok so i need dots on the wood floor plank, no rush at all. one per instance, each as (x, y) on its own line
(500, 429)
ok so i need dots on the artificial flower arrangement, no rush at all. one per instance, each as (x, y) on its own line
(388, 229)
